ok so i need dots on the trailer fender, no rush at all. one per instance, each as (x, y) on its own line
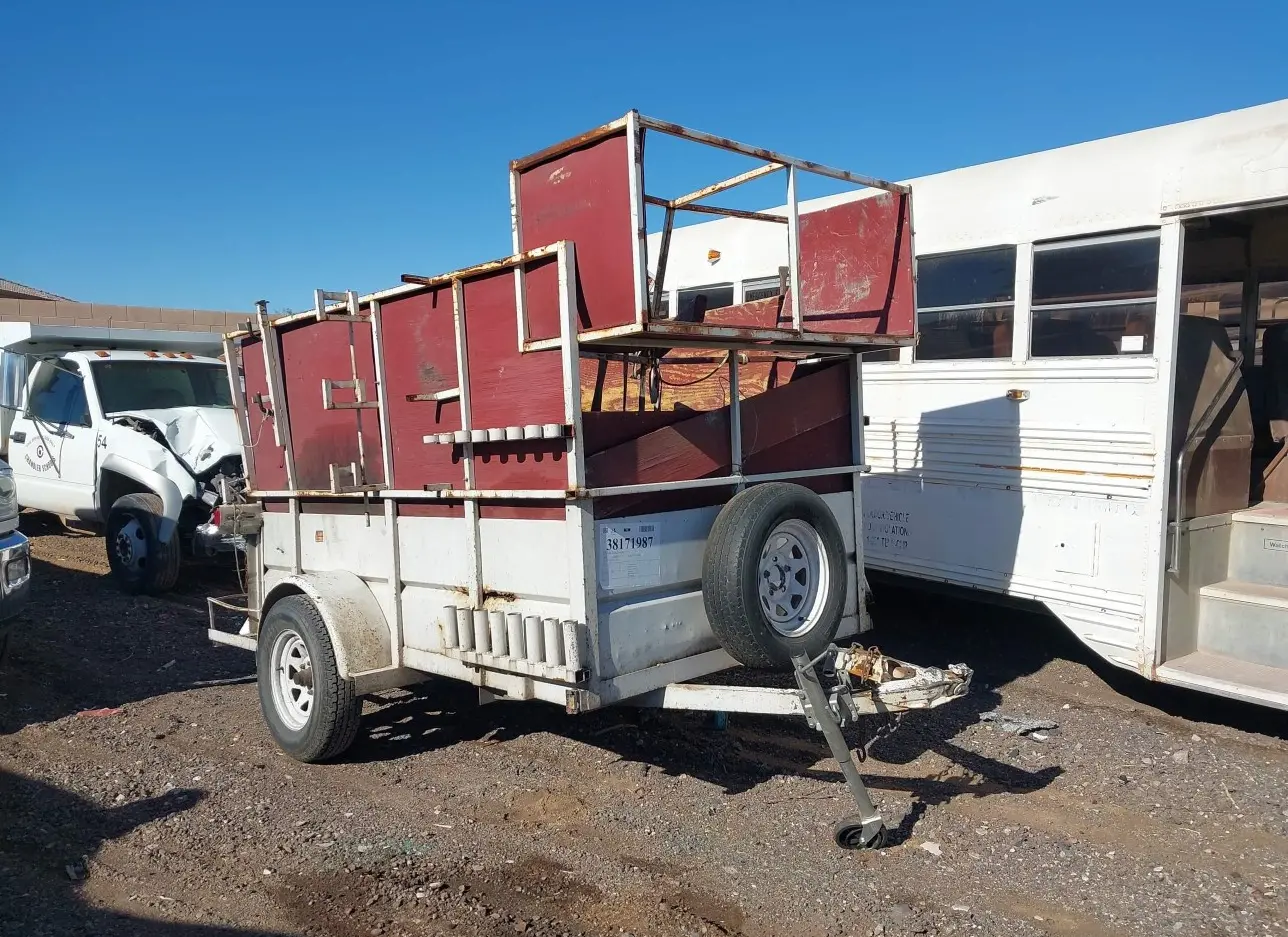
(354, 620)
(167, 490)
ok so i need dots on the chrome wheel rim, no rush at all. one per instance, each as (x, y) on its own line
(292, 680)
(793, 578)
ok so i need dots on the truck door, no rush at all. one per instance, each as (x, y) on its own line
(53, 442)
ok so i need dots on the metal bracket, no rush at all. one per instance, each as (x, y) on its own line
(348, 297)
(338, 470)
(439, 396)
(359, 388)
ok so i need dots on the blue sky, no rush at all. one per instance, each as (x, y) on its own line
(208, 155)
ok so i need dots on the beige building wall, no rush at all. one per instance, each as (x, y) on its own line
(60, 312)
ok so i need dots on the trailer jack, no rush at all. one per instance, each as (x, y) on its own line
(834, 690)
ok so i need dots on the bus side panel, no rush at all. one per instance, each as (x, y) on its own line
(1048, 499)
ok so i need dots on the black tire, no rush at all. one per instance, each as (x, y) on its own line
(731, 573)
(331, 722)
(141, 563)
(848, 834)
(4, 645)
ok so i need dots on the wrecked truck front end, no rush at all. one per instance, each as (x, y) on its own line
(192, 455)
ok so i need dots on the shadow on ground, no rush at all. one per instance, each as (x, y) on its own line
(83, 644)
(48, 840)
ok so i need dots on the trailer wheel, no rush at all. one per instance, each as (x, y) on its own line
(310, 709)
(140, 562)
(773, 576)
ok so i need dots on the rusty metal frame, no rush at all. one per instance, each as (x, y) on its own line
(635, 127)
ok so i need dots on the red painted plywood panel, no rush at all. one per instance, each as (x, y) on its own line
(266, 465)
(699, 446)
(511, 388)
(584, 197)
(419, 340)
(310, 352)
(856, 267)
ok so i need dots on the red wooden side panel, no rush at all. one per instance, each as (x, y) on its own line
(856, 267)
(266, 467)
(419, 338)
(509, 388)
(311, 352)
(801, 425)
(584, 197)
(699, 446)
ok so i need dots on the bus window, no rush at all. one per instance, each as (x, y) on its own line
(761, 288)
(966, 304)
(1095, 297)
(696, 302)
(1220, 301)
(1272, 308)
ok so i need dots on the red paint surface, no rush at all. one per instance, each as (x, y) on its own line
(266, 467)
(856, 267)
(584, 197)
(310, 352)
(508, 388)
(800, 425)
(419, 339)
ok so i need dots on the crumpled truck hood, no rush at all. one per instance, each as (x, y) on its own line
(199, 436)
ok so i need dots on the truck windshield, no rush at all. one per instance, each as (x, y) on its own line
(156, 385)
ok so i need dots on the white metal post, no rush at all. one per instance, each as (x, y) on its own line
(520, 285)
(857, 453)
(1022, 316)
(1166, 313)
(794, 248)
(579, 518)
(467, 447)
(387, 464)
(639, 219)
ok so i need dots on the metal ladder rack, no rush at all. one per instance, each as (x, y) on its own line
(357, 472)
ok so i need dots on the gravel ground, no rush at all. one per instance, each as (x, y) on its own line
(1147, 811)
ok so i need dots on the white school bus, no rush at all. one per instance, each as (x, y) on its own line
(1095, 415)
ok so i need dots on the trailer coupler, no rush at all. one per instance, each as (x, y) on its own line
(866, 682)
(834, 690)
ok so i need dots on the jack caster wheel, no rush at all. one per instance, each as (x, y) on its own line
(853, 833)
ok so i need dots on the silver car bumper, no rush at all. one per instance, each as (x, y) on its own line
(15, 574)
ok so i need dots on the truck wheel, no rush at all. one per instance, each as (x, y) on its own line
(311, 710)
(773, 575)
(140, 562)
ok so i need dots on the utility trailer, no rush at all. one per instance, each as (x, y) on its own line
(530, 476)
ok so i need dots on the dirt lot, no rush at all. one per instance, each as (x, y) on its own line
(1146, 812)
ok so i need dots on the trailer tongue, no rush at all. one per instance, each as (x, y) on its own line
(529, 475)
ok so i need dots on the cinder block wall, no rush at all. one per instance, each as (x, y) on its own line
(48, 312)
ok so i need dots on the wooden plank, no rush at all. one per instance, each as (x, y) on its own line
(420, 358)
(699, 446)
(312, 351)
(856, 267)
(584, 197)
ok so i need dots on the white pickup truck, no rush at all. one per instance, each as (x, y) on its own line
(129, 431)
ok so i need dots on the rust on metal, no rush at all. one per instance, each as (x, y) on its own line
(498, 597)
(1063, 471)
(715, 210)
(758, 152)
(870, 665)
(567, 146)
(478, 270)
(726, 184)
